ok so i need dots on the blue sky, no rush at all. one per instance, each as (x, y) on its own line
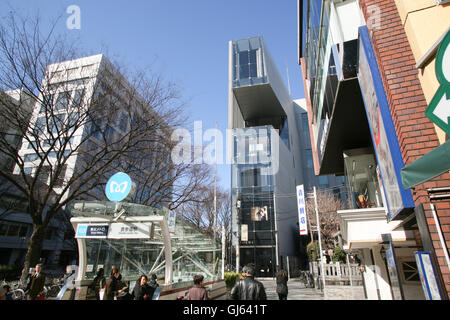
(186, 41)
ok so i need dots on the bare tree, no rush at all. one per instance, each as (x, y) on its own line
(200, 213)
(328, 205)
(86, 124)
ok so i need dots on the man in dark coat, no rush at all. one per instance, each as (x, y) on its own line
(36, 283)
(248, 288)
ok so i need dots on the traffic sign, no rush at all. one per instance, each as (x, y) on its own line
(438, 110)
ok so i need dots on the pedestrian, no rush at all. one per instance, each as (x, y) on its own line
(282, 288)
(153, 282)
(36, 282)
(142, 290)
(248, 288)
(113, 285)
(198, 291)
(2, 293)
(97, 284)
(8, 292)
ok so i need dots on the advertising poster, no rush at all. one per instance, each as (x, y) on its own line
(259, 214)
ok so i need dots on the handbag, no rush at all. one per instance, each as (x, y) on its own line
(101, 293)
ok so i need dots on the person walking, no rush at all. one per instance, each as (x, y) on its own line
(142, 290)
(97, 284)
(153, 282)
(282, 288)
(248, 288)
(112, 287)
(198, 291)
(8, 292)
(35, 286)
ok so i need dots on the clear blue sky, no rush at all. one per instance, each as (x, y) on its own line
(187, 41)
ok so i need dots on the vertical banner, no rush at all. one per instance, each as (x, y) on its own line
(392, 267)
(171, 222)
(301, 205)
(244, 232)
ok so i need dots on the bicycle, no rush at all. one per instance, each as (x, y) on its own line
(307, 278)
(18, 292)
(53, 290)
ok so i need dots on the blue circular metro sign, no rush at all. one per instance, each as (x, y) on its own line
(118, 187)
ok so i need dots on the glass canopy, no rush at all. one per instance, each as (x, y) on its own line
(172, 249)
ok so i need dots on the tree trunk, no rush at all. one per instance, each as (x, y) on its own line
(33, 251)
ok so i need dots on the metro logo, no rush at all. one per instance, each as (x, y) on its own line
(118, 187)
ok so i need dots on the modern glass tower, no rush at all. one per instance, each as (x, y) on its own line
(266, 160)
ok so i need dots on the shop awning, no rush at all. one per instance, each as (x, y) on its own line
(429, 166)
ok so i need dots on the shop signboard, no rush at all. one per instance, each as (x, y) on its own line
(115, 230)
(244, 232)
(396, 286)
(427, 275)
(384, 137)
(130, 230)
(92, 231)
(171, 222)
(301, 207)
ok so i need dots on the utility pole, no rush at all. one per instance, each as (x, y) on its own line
(215, 182)
(215, 195)
(223, 251)
(238, 232)
(320, 238)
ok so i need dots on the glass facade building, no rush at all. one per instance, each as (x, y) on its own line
(253, 190)
(267, 161)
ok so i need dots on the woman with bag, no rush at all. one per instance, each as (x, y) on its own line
(282, 288)
(142, 291)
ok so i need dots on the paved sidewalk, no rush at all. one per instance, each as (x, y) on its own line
(296, 290)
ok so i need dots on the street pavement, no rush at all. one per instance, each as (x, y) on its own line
(296, 290)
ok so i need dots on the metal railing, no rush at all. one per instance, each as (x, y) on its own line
(338, 273)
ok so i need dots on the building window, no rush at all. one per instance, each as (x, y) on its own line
(409, 271)
(78, 98)
(30, 157)
(13, 229)
(40, 125)
(48, 101)
(309, 158)
(32, 145)
(247, 64)
(44, 174)
(62, 101)
(362, 180)
(305, 124)
(60, 179)
(323, 181)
